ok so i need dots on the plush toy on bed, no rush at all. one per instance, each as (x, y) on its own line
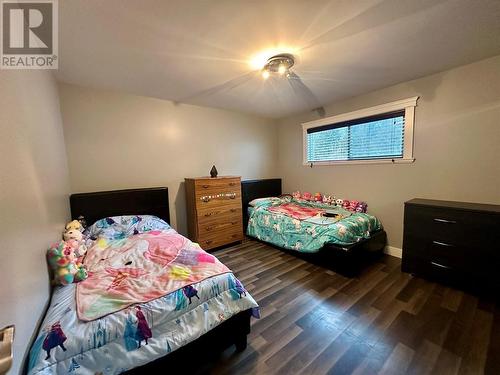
(296, 195)
(327, 199)
(353, 205)
(74, 225)
(76, 237)
(318, 197)
(65, 264)
(362, 207)
(307, 196)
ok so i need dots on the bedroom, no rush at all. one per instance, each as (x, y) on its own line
(152, 94)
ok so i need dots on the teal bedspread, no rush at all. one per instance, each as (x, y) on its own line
(284, 224)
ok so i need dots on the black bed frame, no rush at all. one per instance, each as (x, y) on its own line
(154, 201)
(347, 260)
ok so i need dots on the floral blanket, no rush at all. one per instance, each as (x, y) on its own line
(271, 221)
(140, 268)
(296, 211)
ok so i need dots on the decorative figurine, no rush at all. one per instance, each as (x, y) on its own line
(213, 172)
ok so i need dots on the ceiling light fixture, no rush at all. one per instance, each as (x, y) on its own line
(279, 64)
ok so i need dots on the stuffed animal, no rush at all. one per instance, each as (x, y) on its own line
(345, 204)
(327, 199)
(63, 261)
(296, 194)
(76, 239)
(362, 207)
(318, 197)
(306, 196)
(353, 205)
(74, 225)
(339, 202)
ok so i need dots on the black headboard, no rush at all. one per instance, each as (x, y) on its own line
(95, 206)
(252, 189)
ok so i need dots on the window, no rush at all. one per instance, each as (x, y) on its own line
(378, 134)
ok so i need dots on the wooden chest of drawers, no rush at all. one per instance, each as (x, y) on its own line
(452, 241)
(214, 210)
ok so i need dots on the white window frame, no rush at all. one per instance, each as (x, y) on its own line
(408, 105)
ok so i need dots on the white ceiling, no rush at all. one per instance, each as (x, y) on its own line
(178, 49)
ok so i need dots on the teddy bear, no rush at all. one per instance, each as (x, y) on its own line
(339, 202)
(65, 264)
(74, 225)
(296, 195)
(318, 197)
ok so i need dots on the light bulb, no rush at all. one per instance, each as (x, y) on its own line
(281, 69)
(265, 74)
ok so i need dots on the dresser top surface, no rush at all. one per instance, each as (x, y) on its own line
(211, 178)
(455, 205)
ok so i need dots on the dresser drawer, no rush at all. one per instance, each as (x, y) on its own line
(205, 203)
(450, 253)
(220, 214)
(216, 186)
(432, 268)
(215, 226)
(216, 238)
(470, 228)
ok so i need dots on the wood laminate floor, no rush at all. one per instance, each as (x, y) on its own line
(315, 321)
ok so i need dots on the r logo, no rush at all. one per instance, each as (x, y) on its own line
(27, 28)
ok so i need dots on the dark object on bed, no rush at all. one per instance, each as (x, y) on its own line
(154, 201)
(452, 242)
(252, 189)
(347, 260)
(98, 205)
(197, 356)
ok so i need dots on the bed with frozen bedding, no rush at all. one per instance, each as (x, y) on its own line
(150, 291)
(308, 226)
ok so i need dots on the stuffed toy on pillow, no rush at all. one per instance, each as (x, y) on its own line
(72, 234)
(74, 225)
(66, 265)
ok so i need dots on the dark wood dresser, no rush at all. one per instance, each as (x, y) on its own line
(214, 210)
(452, 241)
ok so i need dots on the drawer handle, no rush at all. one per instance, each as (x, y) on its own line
(208, 214)
(234, 222)
(205, 199)
(232, 196)
(208, 242)
(232, 184)
(204, 186)
(445, 221)
(234, 235)
(440, 265)
(233, 210)
(208, 229)
(442, 244)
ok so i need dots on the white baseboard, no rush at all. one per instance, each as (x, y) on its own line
(393, 251)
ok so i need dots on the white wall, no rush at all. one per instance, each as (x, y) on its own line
(117, 141)
(34, 187)
(457, 144)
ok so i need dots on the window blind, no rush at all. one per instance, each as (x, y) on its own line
(374, 137)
